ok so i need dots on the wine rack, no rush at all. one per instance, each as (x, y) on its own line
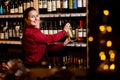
(46, 15)
(77, 50)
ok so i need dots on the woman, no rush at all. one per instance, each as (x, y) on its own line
(35, 42)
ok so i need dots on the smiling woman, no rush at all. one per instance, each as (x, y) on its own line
(33, 19)
(35, 42)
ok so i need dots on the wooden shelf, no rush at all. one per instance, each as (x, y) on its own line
(46, 15)
(73, 44)
(10, 42)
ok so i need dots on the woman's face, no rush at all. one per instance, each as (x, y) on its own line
(33, 18)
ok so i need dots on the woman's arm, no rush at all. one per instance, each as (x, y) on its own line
(57, 45)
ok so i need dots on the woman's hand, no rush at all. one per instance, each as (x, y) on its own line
(66, 41)
(67, 27)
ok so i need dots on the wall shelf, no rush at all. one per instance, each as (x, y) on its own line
(46, 15)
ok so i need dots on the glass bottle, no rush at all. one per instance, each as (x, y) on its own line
(79, 31)
(58, 6)
(54, 9)
(45, 27)
(49, 6)
(20, 6)
(44, 6)
(1, 7)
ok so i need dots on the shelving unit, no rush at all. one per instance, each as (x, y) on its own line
(46, 15)
(77, 48)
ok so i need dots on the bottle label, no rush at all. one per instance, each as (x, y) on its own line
(79, 3)
(20, 9)
(45, 4)
(40, 4)
(58, 4)
(10, 32)
(65, 2)
(55, 31)
(84, 3)
(12, 10)
(79, 33)
(6, 35)
(28, 4)
(1, 35)
(49, 7)
(45, 31)
(53, 5)
(50, 31)
(16, 10)
(84, 33)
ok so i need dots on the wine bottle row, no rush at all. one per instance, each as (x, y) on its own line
(54, 62)
(44, 6)
(62, 6)
(77, 33)
(11, 30)
(14, 29)
(66, 62)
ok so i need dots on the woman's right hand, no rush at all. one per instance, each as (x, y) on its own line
(67, 27)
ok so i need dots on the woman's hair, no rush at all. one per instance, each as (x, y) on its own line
(26, 12)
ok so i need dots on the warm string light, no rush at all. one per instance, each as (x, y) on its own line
(107, 58)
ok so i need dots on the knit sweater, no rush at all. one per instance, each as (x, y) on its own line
(35, 43)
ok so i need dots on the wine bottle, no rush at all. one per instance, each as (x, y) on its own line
(60, 25)
(10, 30)
(21, 30)
(40, 6)
(64, 6)
(20, 6)
(44, 4)
(42, 27)
(79, 6)
(1, 7)
(15, 7)
(1, 30)
(45, 27)
(12, 7)
(71, 35)
(58, 6)
(50, 27)
(79, 31)
(5, 29)
(74, 6)
(84, 5)
(54, 10)
(25, 4)
(49, 6)
(13, 30)
(6, 7)
(31, 3)
(70, 6)
(17, 30)
(28, 3)
(55, 30)
(84, 31)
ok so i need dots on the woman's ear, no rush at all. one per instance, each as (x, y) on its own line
(25, 20)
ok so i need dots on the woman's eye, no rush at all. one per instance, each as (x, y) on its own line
(37, 15)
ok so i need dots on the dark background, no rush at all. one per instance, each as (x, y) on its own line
(96, 8)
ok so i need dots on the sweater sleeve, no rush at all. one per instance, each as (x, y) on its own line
(40, 37)
(55, 46)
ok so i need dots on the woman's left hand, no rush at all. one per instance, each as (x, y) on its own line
(66, 41)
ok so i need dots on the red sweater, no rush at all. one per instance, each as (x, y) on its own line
(35, 43)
